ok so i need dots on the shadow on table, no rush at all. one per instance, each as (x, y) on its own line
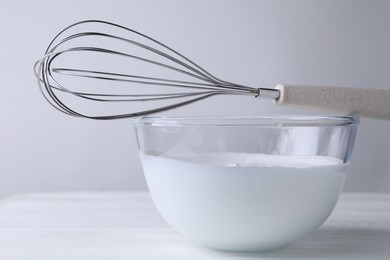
(334, 243)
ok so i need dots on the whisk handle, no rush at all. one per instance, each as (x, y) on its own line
(364, 102)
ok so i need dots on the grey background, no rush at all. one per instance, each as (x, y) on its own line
(257, 43)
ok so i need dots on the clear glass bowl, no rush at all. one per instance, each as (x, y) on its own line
(245, 184)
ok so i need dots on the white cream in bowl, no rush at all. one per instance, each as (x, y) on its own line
(244, 202)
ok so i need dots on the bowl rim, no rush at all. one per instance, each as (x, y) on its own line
(247, 121)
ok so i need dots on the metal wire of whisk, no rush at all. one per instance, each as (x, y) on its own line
(145, 71)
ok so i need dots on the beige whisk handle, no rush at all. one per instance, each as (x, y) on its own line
(364, 102)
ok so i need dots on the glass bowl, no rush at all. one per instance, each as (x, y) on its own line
(245, 184)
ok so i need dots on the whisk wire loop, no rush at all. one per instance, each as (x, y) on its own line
(139, 88)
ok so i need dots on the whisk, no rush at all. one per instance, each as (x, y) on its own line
(108, 64)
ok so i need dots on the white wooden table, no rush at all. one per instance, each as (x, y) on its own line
(127, 226)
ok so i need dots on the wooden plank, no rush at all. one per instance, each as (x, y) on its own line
(127, 226)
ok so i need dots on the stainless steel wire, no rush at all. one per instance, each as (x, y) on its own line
(110, 40)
